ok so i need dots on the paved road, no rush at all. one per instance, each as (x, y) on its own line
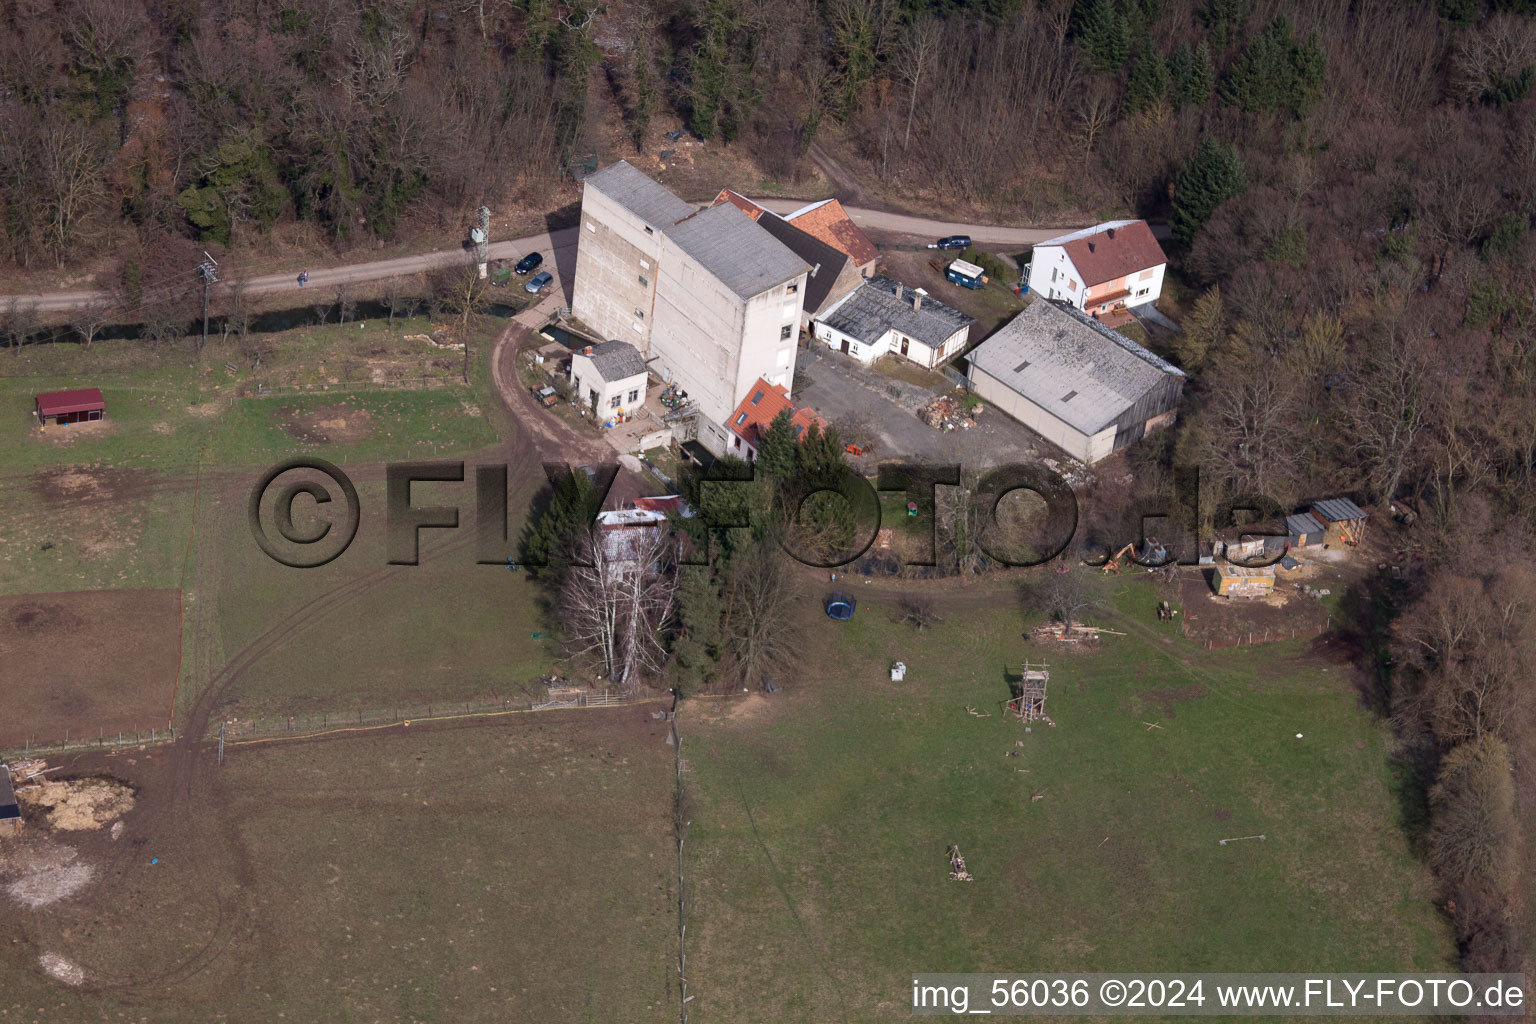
(561, 245)
(559, 248)
(881, 224)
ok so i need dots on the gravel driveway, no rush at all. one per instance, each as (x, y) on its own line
(841, 389)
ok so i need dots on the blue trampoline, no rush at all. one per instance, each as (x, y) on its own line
(840, 606)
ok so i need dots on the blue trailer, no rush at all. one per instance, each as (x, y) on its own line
(966, 275)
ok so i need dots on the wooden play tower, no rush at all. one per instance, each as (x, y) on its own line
(1028, 701)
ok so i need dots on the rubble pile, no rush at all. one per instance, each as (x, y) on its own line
(946, 414)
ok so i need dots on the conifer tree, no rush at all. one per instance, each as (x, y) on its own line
(1148, 82)
(1214, 175)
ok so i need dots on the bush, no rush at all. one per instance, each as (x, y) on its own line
(1473, 837)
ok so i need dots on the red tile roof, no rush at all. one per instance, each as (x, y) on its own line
(62, 403)
(739, 201)
(763, 403)
(830, 223)
(1115, 252)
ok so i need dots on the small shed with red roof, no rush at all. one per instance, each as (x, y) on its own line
(61, 407)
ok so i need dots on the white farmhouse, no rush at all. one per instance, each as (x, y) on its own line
(1104, 270)
(711, 300)
(609, 378)
(883, 315)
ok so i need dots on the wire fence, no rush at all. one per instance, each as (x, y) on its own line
(1245, 638)
(236, 730)
(257, 389)
(103, 740)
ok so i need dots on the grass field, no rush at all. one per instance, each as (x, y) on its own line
(510, 869)
(359, 633)
(821, 816)
(110, 505)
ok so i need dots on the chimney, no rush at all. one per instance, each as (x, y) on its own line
(917, 301)
(587, 351)
(901, 291)
(816, 270)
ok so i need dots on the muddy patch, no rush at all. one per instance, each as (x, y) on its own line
(329, 424)
(41, 872)
(76, 486)
(76, 805)
(38, 619)
(1166, 701)
(72, 432)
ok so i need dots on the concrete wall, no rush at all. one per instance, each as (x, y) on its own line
(834, 339)
(1069, 439)
(765, 351)
(696, 335)
(714, 345)
(613, 253)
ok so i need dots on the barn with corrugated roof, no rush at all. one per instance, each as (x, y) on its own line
(1075, 382)
(84, 405)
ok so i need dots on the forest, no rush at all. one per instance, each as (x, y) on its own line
(1350, 186)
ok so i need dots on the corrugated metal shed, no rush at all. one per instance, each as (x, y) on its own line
(1338, 510)
(1071, 366)
(739, 253)
(62, 403)
(639, 195)
(1302, 524)
(874, 308)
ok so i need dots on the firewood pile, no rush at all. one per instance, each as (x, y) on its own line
(25, 771)
(946, 414)
(1076, 633)
(957, 872)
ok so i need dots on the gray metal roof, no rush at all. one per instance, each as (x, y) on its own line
(616, 360)
(740, 254)
(873, 308)
(1302, 524)
(8, 807)
(1071, 365)
(1338, 510)
(638, 194)
(826, 262)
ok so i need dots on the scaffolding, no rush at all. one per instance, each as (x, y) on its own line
(1028, 700)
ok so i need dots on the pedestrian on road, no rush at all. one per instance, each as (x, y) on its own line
(303, 278)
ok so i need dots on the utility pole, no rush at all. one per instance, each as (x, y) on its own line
(480, 236)
(209, 277)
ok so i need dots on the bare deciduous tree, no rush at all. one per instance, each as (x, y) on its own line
(89, 319)
(1063, 597)
(918, 611)
(913, 61)
(617, 607)
(1385, 411)
(461, 293)
(758, 630)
